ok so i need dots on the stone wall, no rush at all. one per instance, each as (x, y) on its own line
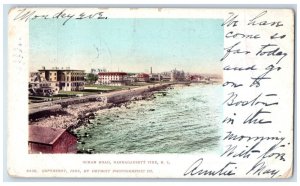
(107, 98)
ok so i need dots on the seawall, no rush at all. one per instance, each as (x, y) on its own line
(128, 95)
(73, 112)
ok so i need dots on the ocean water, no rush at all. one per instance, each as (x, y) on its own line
(185, 120)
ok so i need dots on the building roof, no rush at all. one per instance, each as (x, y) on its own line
(59, 70)
(143, 75)
(44, 135)
(112, 73)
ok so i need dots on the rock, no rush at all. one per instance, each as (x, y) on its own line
(78, 122)
(86, 135)
(89, 114)
(90, 150)
(80, 116)
(139, 97)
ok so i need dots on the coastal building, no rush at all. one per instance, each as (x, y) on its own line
(155, 77)
(38, 86)
(112, 78)
(33, 76)
(132, 78)
(177, 75)
(64, 79)
(165, 76)
(50, 140)
(143, 77)
(96, 71)
(196, 78)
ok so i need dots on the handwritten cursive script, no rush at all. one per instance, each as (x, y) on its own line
(28, 14)
(254, 55)
(195, 169)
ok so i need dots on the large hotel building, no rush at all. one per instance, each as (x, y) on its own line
(112, 78)
(63, 79)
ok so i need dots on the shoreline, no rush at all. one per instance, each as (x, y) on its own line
(75, 112)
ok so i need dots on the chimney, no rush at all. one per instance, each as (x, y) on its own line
(150, 70)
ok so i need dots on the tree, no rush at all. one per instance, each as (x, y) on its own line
(91, 78)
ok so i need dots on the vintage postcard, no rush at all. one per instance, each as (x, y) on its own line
(150, 93)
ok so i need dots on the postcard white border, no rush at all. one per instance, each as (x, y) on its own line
(222, 6)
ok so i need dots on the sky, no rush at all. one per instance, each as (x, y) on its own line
(128, 44)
